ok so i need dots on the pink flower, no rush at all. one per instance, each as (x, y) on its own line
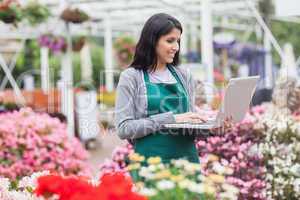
(35, 141)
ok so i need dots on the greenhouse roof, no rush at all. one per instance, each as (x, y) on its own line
(129, 15)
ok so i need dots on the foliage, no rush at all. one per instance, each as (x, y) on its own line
(97, 54)
(286, 32)
(8, 107)
(125, 47)
(77, 43)
(35, 12)
(10, 11)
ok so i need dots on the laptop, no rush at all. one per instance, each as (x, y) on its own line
(235, 105)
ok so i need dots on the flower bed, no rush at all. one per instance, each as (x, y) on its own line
(178, 181)
(281, 150)
(35, 141)
(234, 148)
(44, 186)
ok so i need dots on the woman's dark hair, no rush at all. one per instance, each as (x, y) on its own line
(145, 53)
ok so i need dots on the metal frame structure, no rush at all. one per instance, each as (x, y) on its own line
(110, 18)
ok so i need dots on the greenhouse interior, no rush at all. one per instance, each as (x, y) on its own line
(149, 100)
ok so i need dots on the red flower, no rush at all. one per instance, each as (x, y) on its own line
(117, 186)
(112, 187)
(48, 184)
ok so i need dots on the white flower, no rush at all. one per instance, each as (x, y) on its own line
(295, 169)
(297, 185)
(218, 168)
(227, 195)
(146, 173)
(4, 184)
(184, 184)
(31, 181)
(191, 168)
(179, 163)
(165, 185)
(147, 192)
(230, 188)
(201, 177)
(196, 188)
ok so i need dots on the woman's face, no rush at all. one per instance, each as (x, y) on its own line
(167, 46)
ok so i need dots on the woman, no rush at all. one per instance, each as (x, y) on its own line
(153, 91)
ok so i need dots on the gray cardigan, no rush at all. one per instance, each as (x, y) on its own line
(131, 119)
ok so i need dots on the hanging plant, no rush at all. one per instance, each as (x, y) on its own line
(10, 11)
(74, 15)
(56, 44)
(36, 13)
(78, 43)
(125, 47)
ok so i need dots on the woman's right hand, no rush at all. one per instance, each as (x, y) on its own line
(189, 117)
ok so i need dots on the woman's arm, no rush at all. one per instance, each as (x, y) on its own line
(128, 127)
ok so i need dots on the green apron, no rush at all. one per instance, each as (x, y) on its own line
(167, 144)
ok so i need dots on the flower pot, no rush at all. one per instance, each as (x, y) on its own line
(78, 44)
(87, 115)
(9, 19)
(74, 15)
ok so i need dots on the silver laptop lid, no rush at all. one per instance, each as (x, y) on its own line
(237, 98)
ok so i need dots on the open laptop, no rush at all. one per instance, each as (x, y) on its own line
(235, 104)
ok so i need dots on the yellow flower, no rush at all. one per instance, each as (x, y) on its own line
(139, 185)
(209, 189)
(133, 166)
(212, 158)
(136, 157)
(154, 160)
(216, 178)
(177, 178)
(163, 174)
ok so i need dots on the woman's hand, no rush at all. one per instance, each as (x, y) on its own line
(190, 117)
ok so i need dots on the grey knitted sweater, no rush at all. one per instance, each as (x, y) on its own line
(131, 120)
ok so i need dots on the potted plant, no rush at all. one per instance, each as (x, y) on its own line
(78, 43)
(87, 114)
(55, 43)
(10, 11)
(36, 13)
(74, 15)
(124, 47)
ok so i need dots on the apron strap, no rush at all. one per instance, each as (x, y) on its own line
(178, 79)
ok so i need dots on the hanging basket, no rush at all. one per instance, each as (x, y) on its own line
(10, 12)
(9, 19)
(125, 47)
(36, 13)
(75, 15)
(77, 44)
